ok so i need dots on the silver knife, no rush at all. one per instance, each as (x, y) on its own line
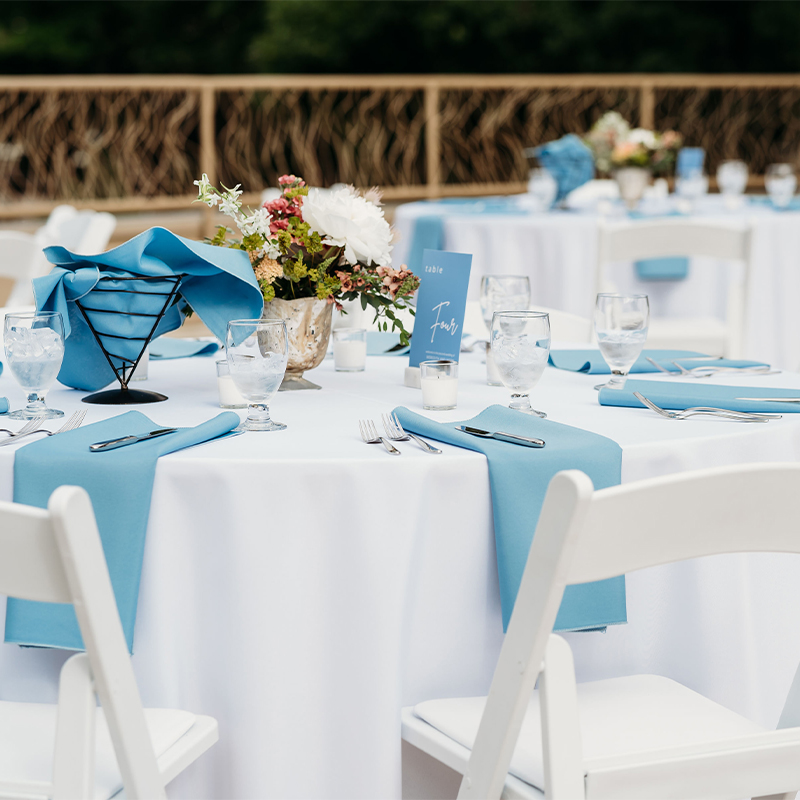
(502, 437)
(771, 399)
(112, 444)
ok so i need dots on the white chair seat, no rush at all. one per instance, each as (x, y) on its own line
(706, 335)
(27, 742)
(635, 714)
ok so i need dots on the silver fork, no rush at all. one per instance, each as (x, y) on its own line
(707, 372)
(396, 432)
(724, 413)
(30, 426)
(74, 421)
(370, 435)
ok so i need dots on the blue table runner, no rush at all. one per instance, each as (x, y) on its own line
(120, 485)
(519, 477)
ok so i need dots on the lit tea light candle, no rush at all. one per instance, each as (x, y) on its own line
(439, 382)
(350, 349)
(229, 395)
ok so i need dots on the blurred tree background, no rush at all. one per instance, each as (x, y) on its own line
(397, 36)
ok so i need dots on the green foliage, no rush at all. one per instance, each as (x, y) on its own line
(390, 36)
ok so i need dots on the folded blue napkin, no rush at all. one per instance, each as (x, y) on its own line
(120, 484)
(383, 343)
(592, 362)
(217, 282)
(569, 161)
(519, 478)
(165, 348)
(678, 396)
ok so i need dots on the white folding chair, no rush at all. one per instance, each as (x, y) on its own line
(85, 232)
(19, 257)
(633, 241)
(564, 327)
(75, 749)
(641, 736)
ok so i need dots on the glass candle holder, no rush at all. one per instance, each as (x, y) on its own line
(439, 381)
(350, 349)
(229, 395)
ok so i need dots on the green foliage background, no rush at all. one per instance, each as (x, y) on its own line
(398, 36)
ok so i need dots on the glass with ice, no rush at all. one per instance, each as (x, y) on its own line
(34, 345)
(257, 351)
(520, 348)
(620, 324)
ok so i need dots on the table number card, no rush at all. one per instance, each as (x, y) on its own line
(442, 299)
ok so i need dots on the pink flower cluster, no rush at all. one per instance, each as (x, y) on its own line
(285, 207)
(392, 279)
(351, 281)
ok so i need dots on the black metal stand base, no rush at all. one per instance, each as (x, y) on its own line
(123, 397)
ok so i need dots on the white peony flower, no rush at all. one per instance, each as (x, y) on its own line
(644, 137)
(343, 218)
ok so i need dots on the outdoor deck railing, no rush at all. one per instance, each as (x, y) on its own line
(132, 143)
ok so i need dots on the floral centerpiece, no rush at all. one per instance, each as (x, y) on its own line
(616, 146)
(311, 250)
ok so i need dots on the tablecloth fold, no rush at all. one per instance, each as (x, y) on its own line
(217, 282)
(119, 483)
(519, 478)
(678, 395)
(592, 362)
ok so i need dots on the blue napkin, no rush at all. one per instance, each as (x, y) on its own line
(569, 161)
(381, 343)
(592, 362)
(120, 483)
(689, 160)
(164, 348)
(678, 396)
(519, 477)
(217, 282)
(3, 405)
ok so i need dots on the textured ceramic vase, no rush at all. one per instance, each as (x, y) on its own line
(308, 323)
(632, 182)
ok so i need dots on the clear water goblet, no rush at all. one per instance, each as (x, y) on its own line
(520, 348)
(780, 182)
(504, 293)
(620, 324)
(34, 346)
(257, 351)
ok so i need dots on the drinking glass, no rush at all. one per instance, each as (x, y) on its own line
(34, 345)
(520, 347)
(620, 323)
(257, 351)
(732, 178)
(780, 182)
(542, 189)
(504, 293)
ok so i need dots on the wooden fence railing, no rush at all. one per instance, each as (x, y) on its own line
(132, 143)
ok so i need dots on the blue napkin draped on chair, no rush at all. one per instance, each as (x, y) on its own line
(569, 161)
(217, 282)
(676, 396)
(519, 478)
(120, 485)
(592, 362)
(667, 268)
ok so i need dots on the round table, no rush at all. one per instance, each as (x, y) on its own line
(558, 250)
(302, 586)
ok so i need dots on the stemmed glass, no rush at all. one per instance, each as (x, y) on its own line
(780, 181)
(732, 182)
(504, 293)
(34, 345)
(520, 347)
(620, 324)
(257, 351)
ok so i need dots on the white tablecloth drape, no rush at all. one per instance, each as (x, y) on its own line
(302, 586)
(558, 250)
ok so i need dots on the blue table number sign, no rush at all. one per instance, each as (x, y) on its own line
(442, 299)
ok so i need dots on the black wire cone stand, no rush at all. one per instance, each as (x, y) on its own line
(125, 396)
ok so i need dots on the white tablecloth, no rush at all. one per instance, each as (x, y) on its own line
(301, 587)
(558, 250)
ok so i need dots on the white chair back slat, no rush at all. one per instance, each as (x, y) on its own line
(32, 568)
(683, 515)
